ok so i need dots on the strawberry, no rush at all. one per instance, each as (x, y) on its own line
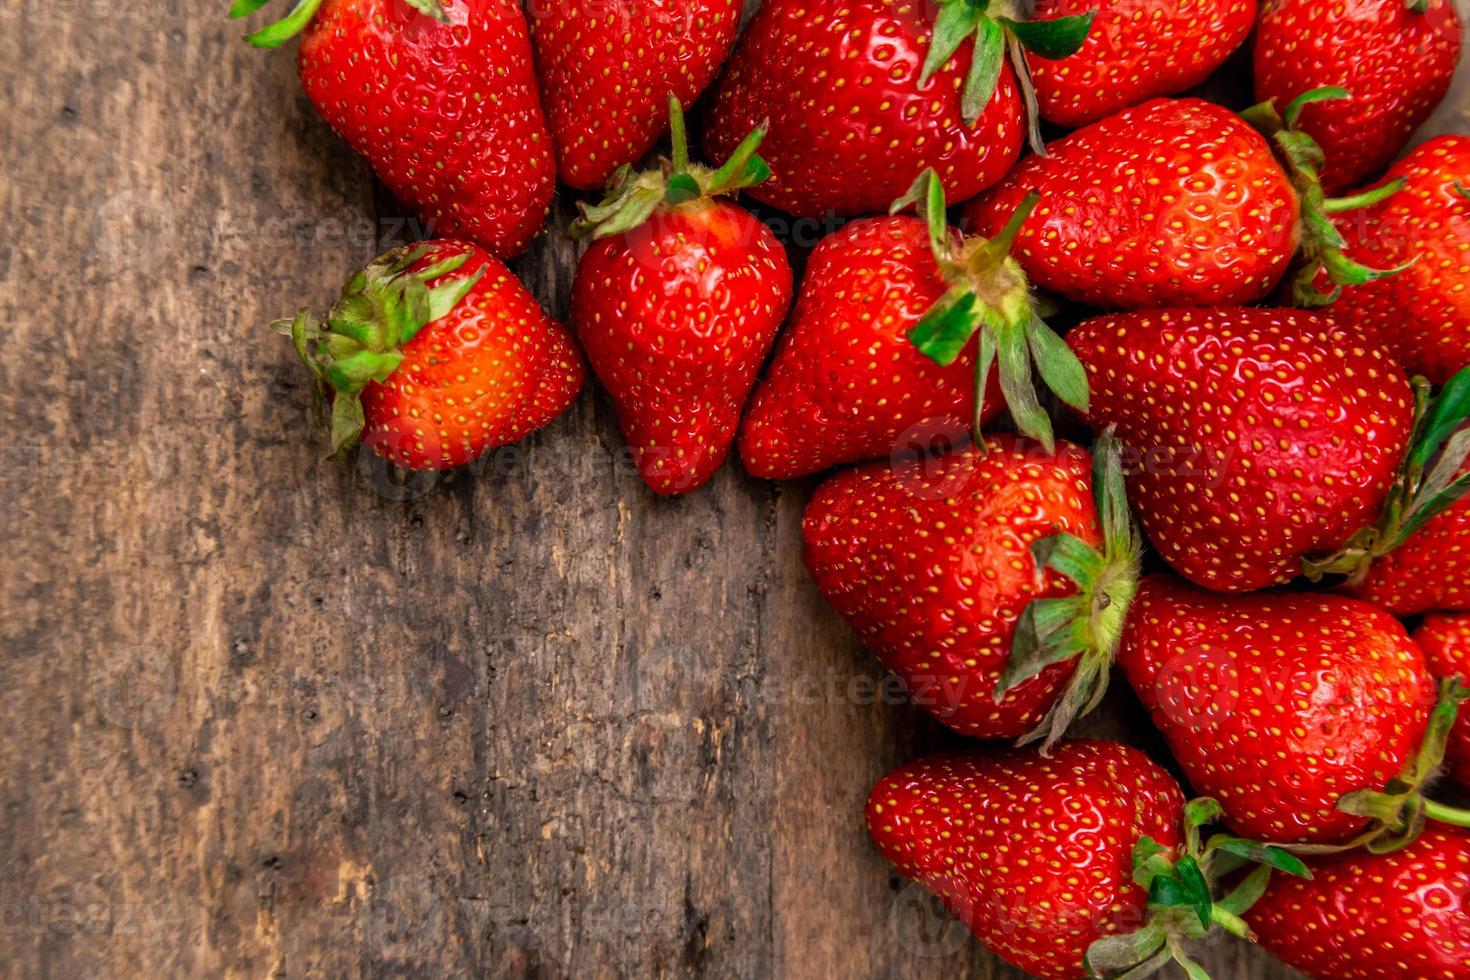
(1278, 704)
(1024, 581)
(1055, 863)
(1174, 202)
(897, 323)
(1256, 437)
(1364, 916)
(1445, 640)
(1421, 315)
(1393, 57)
(440, 96)
(1416, 556)
(607, 71)
(676, 305)
(434, 354)
(1136, 50)
(864, 95)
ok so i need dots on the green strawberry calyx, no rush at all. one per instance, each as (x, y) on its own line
(1000, 35)
(1185, 900)
(1400, 810)
(1087, 625)
(633, 198)
(381, 308)
(1322, 245)
(1429, 481)
(988, 295)
(274, 35)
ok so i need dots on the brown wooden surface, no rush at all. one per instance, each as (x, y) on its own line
(267, 716)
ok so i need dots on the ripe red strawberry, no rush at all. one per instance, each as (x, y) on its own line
(440, 97)
(863, 95)
(1393, 57)
(1256, 436)
(1421, 315)
(988, 580)
(1363, 916)
(1169, 203)
(1445, 640)
(677, 305)
(1136, 50)
(897, 320)
(434, 354)
(607, 71)
(1278, 704)
(1055, 863)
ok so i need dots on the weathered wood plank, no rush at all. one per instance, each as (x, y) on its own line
(268, 716)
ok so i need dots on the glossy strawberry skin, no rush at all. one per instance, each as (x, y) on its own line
(1445, 640)
(846, 383)
(495, 369)
(1136, 50)
(1395, 64)
(607, 70)
(1175, 202)
(448, 115)
(1255, 437)
(1278, 704)
(1429, 571)
(676, 318)
(1422, 315)
(1033, 854)
(1362, 916)
(851, 125)
(930, 562)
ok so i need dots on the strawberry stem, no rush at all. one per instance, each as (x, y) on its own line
(1446, 814)
(1087, 626)
(1182, 902)
(1322, 245)
(633, 198)
(990, 296)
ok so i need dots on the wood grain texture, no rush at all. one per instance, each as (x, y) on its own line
(267, 716)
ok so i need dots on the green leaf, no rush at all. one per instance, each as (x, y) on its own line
(1111, 955)
(1441, 489)
(1070, 555)
(1248, 892)
(244, 8)
(1192, 970)
(1041, 638)
(926, 197)
(1462, 190)
(1449, 411)
(681, 188)
(1058, 365)
(984, 74)
(1015, 383)
(947, 328)
(744, 168)
(956, 21)
(678, 136)
(635, 210)
(446, 296)
(351, 374)
(1197, 887)
(347, 423)
(1052, 39)
(1258, 853)
(274, 35)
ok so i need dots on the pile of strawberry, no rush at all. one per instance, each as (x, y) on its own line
(1269, 345)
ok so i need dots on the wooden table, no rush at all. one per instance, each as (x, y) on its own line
(269, 716)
